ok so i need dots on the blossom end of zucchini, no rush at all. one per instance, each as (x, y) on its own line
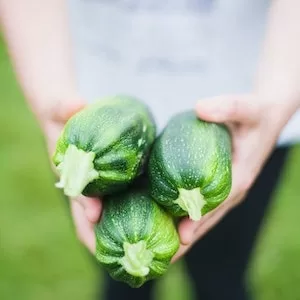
(76, 171)
(191, 201)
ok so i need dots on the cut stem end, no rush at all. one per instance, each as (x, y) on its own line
(137, 259)
(191, 201)
(76, 171)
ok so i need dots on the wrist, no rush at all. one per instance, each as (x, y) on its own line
(278, 108)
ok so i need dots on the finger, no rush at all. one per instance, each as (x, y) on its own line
(214, 219)
(181, 251)
(67, 109)
(92, 207)
(189, 231)
(243, 173)
(84, 228)
(186, 230)
(224, 109)
(241, 182)
(187, 227)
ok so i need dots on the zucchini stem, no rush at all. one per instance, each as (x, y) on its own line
(137, 259)
(191, 201)
(76, 171)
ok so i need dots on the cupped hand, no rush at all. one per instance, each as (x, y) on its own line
(85, 211)
(255, 124)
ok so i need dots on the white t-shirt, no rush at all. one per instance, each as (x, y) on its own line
(170, 53)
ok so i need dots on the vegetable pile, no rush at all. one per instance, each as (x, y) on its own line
(110, 150)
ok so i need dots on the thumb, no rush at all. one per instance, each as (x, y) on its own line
(221, 109)
(91, 206)
(67, 108)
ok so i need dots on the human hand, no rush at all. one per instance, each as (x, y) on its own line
(255, 124)
(85, 211)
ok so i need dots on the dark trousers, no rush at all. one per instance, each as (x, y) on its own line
(218, 262)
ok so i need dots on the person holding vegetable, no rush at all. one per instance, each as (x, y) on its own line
(240, 58)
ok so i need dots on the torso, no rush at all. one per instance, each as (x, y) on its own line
(169, 53)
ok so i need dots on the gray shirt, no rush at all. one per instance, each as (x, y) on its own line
(169, 53)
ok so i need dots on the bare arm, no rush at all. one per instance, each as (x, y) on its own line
(278, 74)
(38, 38)
(257, 119)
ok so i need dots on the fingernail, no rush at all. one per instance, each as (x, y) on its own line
(91, 214)
(189, 236)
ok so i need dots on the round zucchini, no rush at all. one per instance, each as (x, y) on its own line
(190, 166)
(135, 238)
(103, 147)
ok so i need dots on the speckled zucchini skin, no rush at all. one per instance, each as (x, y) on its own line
(132, 217)
(190, 153)
(120, 130)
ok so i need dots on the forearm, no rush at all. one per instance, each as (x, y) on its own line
(278, 75)
(38, 40)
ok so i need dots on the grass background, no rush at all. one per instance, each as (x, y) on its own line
(40, 257)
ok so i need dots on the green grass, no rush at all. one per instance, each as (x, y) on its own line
(40, 257)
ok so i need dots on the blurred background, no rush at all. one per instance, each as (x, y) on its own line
(40, 257)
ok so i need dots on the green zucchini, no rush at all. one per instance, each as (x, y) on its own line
(135, 238)
(103, 147)
(190, 166)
